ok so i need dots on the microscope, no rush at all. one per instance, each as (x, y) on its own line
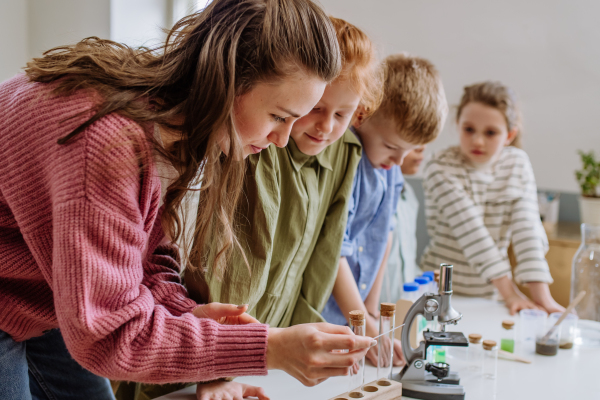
(432, 381)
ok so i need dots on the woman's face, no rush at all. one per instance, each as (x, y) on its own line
(266, 113)
(483, 133)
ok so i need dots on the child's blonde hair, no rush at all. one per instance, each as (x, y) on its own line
(359, 64)
(414, 98)
(498, 96)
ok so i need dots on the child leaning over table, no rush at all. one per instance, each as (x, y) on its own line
(402, 264)
(412, 113)
(481, 196)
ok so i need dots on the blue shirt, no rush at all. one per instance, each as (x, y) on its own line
(371, 207)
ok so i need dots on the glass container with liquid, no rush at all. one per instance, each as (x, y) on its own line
(567, 329)
(585, 274)
(357, 323)
(509, 336)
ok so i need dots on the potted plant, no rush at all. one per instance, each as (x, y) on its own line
(588, 178)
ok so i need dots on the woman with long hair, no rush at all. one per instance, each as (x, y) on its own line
(85, 234)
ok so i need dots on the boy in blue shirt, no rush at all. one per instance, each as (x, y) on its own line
(412, 114)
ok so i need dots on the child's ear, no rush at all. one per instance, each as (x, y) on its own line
(360, 115)
(512, 134)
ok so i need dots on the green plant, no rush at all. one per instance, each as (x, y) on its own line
(589, 176)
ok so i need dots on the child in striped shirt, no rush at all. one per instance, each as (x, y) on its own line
(480, 197)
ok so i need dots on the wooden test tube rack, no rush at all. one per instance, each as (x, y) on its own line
(380, 389)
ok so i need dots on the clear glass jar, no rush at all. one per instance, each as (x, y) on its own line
(585, 274)
(490, 359)
(475, 352)
(385, 343)
(509, 336)
(532, 323)
(357, 379)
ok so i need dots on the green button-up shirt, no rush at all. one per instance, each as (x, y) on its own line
(292, 225)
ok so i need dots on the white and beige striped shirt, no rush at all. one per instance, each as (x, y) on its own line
(473, 214)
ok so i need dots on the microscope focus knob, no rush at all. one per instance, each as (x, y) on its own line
(432, 306)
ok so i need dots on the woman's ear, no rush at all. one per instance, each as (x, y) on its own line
(512, 134)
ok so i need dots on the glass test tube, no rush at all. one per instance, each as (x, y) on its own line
(509, 336)
(385, 344)
(357, 322)
(490, 359)
(475, 352)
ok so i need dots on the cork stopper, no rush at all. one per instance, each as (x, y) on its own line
(508, 324)
(489, 344)
(357, 318)
(475, 338)
(436, 275)
(387, 309)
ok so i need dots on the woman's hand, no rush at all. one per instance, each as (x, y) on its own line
(226, 314)
(305, 351)
(222, 390)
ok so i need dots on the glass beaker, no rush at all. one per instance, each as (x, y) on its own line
(357, 379)
(533, 323)
(490, 359)
(585, 274)
(549, 346)
(567, 329)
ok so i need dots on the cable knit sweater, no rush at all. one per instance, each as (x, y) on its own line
(82, 249)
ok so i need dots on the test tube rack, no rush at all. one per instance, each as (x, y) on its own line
(380, 389)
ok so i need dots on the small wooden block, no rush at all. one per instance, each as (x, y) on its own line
(381, 389)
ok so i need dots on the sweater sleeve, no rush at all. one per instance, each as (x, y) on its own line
(119, 304)
(529, 239)
(465, 223)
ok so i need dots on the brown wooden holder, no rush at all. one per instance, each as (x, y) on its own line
(379, 389)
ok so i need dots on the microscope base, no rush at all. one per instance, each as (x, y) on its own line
(432, 390)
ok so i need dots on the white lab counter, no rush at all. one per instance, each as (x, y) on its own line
(571, 374)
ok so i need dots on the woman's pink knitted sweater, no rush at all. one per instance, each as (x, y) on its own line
(82, 249)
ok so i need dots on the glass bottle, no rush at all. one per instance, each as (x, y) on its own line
(490, 359)
(507, 341)
(475, 352)
(585, 275)
(385, 343)
(357, 322)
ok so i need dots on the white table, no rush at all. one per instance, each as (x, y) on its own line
(569, 375)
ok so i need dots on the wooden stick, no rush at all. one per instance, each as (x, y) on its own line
(575, 301)
(513, 357)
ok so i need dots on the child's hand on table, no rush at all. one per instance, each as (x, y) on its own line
(373, 352)
(518, 302)
(223, 390)
(226, 314)
(540, 293)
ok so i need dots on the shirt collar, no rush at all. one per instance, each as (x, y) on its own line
(299, 159)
